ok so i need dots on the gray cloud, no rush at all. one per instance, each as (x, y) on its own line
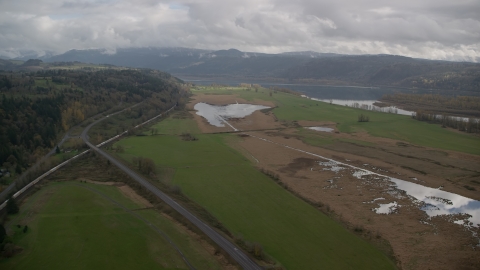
(434, 29)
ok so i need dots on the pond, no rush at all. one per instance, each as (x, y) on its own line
(217, 115)
(323, 129)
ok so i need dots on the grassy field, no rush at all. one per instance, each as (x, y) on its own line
(252, 206)
(386, 125)
(171, 125)
(71, 227)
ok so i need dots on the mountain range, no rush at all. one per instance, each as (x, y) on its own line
(292, 67)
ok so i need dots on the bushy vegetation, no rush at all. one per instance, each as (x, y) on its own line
(470, 126)
(188, 137)
(12, 207)
(144, 165)
(363, 118)
(436, 104)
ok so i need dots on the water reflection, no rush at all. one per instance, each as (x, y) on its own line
(443, 202)
(386, 208)
(433, 201)
(216, 115)
(324, 129)
(440, 202)
(366, 105)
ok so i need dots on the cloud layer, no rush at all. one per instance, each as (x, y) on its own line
(433, 29)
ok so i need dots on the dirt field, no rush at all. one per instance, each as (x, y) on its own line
(125, 189)
(418, 242)
(436, 245)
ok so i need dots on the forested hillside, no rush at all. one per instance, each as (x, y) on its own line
(390, 70)
(38, 107)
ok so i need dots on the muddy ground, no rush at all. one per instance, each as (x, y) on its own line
(417, 241)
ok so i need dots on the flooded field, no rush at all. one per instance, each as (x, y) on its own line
(365, 104)
(216, 115)
(322, 129)
(433, 202)
(419, 199)
(416, 219)
(386, 208)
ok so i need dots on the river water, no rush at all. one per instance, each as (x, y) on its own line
(364, 104)
(326, 92)
(352, 96)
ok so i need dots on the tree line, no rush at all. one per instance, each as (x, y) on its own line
(469, 125)
(38, 107)
(434, 103)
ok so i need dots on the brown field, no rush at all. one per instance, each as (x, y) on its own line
(418, 242)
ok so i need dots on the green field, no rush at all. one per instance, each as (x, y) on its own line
(399, 127)
(252, 206)
(171, 125)
(72, 227)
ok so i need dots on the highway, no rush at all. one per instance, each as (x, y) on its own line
(238, 255)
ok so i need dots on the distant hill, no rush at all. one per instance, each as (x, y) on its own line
(294, 67)
(390, 70)
(6, 65)
(190, 62)
(155, 58)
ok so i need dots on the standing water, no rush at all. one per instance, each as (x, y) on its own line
(216, 115)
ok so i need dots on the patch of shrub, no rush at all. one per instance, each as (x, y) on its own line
(12, 207)
(188, 137)
(363, 118)
(469, 187)
(175, 189)
(358, 229)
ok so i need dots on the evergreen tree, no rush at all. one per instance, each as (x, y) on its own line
(18, 169)
(12, 207)
(3, 233)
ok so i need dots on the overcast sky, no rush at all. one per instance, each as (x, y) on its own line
(433, 29)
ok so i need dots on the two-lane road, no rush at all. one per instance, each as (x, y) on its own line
(11, 188)
(238, 255)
